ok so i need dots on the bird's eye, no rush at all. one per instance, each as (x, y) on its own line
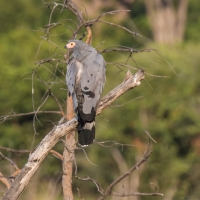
(71, 43)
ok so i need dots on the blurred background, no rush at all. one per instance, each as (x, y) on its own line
(166, 104)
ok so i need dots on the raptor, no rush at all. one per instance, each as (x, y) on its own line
(85, 80)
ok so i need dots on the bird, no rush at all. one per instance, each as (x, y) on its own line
(85, 77)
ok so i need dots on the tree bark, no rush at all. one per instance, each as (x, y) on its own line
(36, 157)
(167, 22)
(68, 155)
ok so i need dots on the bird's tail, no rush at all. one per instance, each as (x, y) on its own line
(86, 134)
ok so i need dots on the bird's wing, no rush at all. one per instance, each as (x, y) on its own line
(92, 81)
(72, 70)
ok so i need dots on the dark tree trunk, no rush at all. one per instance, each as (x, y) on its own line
(167, 19)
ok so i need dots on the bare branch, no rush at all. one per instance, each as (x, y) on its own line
(136, 194)
(79, 194)
(55, 153)
(41, 151)
(4, 180)
(150, 136)
(49, 60)
(127, 84)
(14, 150)
(13, 176)
(56, 100)
(98, 185)
(91, 22)
(127, 173)
(4, 118)
(111, 13)
(119, 26)
(113, 143)
(9, 160)
(110, 187)
(86, 156)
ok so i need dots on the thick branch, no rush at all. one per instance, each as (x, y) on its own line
(41, 151)
(70, 143)
(130, 82)
(68, 155)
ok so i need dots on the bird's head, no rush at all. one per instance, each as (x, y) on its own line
(76, 45)
(71, 45)
(80, 49)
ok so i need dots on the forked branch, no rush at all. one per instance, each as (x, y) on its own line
(40, 152)
(109, 190)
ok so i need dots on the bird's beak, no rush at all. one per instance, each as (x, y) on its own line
(69, 46)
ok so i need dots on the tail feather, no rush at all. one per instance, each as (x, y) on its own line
(86, 134)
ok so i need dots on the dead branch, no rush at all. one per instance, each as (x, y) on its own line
(86, 156)
(98, 185)
(68, 154)
(41, 151)
(127, 173)
(91, 22)
(136, 194)
(4, 180)
(56, 154)
(68, 4)
(13, 176)
(109, 191)
(4, 118)
(14, 150)
(113, 143)
(71, 6)
(53, 152)
(130, 82)
(150, 136)
(9, 160)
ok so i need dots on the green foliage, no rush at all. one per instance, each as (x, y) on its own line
(167, 106)
(193, 28)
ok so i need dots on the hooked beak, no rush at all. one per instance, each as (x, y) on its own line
(68, 46)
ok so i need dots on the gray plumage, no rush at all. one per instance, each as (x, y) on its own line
(85, 80)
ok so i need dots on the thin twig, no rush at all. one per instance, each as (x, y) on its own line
(9, 160)
(113, 143)
(150, 136)
(52, 95)
(4, 118)
(79, 194)
(86, 156)
(136, 194)
(55, 153)
(109, 190)
(98, 185)
(110, 187)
